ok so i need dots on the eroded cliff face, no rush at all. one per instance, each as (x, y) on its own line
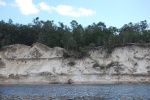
(39, 64)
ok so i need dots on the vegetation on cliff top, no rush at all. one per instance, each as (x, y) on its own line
(75, 38)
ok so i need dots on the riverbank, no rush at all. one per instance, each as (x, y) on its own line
(74, 83)
(39, 64)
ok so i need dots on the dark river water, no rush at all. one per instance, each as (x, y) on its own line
(75, 92)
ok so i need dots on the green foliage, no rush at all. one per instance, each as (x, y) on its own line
(77, 40)
(71, 45)
(83, 51)
(110, 49)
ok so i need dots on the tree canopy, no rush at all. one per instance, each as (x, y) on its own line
(73, 38)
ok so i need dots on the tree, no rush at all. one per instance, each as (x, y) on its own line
(72, 44)
(77, 38)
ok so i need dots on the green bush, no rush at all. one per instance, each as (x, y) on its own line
(83, 51)
(110, 49)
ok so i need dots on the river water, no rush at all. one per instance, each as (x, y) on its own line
(75, 92)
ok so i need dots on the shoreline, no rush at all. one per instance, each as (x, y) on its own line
(85, 83)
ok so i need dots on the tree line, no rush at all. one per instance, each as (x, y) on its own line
(74, 38)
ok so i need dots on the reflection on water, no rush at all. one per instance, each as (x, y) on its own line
(75, 92)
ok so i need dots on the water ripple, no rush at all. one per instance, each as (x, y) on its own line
(75, 92)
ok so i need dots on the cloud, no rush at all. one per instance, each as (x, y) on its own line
(73, 11)
(26, 7)
(66, 10)
(44, 6)
(2, 3)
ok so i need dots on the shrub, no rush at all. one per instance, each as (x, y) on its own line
(110, 49)
(92, 45)
(83, 51)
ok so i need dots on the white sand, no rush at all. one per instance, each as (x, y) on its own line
(21, 64)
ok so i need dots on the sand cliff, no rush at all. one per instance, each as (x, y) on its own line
(39, 64)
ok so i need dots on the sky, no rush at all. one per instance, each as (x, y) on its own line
(85, 12)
